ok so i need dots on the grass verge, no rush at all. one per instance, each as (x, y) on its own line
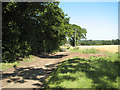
(95, 72)
(92, 50)
(5, 66)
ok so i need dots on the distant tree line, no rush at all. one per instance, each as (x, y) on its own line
(100, 42)
(34, 28)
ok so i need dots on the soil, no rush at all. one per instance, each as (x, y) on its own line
(33, 74)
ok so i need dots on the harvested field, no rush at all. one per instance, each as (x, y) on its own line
(108, 48)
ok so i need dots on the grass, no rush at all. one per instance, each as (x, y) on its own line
(92, 50)
(113, 56)
(95, 72)
(6, 66)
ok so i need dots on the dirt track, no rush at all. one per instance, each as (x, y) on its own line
(33, 74)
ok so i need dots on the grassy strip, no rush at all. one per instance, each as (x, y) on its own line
(95, 72)
(6, 66)
(92, 50)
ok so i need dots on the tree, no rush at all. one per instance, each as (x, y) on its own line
(32, 28)
(78, 31)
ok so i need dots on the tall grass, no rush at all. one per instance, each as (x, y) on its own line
(92, 50)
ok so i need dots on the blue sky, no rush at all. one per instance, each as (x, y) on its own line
(99, 18)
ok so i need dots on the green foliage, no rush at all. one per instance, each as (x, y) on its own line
(76, 32)
(92, 50)
(32, 28)
(113, 57)
(95, 72)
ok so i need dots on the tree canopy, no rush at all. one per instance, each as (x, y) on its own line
(77, 33)
(34, 28)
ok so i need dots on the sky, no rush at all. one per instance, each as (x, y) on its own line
(99, 18)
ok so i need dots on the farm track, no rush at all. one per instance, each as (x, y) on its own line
(33, 74)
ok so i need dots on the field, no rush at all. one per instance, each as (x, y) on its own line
(107, 48)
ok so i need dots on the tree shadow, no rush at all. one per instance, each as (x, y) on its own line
(98, 70)
(93, 69)
(52, 56)
(21, 75)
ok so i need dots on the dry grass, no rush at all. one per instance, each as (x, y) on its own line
(106, 48)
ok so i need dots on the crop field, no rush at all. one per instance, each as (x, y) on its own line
(105, 48)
